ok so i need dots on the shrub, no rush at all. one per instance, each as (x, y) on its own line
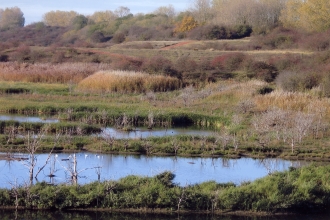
(240, 31)
(185, 64)
(293, 81)
(285, 62)
(118, 38)
(279, 38)
(128, 82)
(261, 70)
(228, 62)
(159, 64)
(128, 63)
(316, 41)
(208, 32)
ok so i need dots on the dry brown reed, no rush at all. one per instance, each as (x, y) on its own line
(48, 72)
(128, 82)
(240, 90)
(294, 101)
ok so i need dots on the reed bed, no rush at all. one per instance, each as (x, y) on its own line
(294, 101)
(127, 82)
(48, 72)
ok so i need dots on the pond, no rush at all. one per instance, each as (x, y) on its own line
(138, 132)
(187, 170)
(143, 132)
(24, 118)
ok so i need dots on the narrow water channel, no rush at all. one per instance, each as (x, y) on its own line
(73, 215)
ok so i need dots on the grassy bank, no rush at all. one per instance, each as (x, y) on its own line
(298, 190)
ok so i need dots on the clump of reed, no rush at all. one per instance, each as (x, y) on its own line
(294, 101)
(128, 82)
(48, 72)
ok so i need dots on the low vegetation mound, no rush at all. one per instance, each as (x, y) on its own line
(128, 82)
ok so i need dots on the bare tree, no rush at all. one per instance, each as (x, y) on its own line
(56, 141)
(175, 145)
(109, 139)
(15, 192)
(148, 147)
(235, 141)
(187, 95)
(169, 11)
(150, 120)
(182, 198)
(11, 132)
(122, 11)
(33, 143)
(202, 10)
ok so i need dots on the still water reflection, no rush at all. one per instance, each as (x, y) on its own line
(187, 170)
(24, 118)
(48, 215)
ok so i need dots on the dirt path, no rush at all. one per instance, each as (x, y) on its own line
(177, 45)
(96, 51)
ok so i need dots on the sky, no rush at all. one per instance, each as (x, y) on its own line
(34, 9)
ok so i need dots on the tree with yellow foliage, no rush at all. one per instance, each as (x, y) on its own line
(310, 15)
(59, 18)
(188, 23)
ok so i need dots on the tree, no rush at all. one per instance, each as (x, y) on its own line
(11, 18)
(59, 18)
(168, 11)
(262, 15)
(310, 15)
(122, 11)
(103, 16)
(201, 10)
(188, 23)
(79, 22)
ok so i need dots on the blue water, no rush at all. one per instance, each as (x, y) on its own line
(114, 167)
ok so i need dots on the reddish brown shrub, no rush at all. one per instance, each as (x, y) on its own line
(228, 62)
(127, 63)
(279, 38)
(159, 64)
(261, 70)
(316, 41)
(185, 65)
(285, 62)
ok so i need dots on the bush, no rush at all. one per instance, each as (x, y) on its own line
(214, 32)
(208, 32)
(228, 62)
(279, 38)
(128, 63)
(185, 64)
(261, 70)
(159, 64)
(293, 81)
(118, 38)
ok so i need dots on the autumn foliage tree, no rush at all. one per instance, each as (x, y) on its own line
(310, 15)
(59, 18)
(11, 18)
(188, 23)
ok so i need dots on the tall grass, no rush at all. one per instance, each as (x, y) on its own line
(128, 82)
(295, 101)
(48, 72)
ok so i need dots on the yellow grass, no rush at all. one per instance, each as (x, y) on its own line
(295, 101)
(48, 72)
(127, 82)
